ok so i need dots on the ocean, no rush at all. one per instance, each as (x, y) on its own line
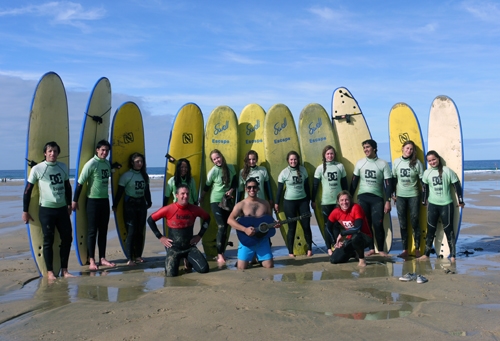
(474, 166)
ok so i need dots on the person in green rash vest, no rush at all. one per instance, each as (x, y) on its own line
(55, 206)
(182, 175)
(251, 170)
(438, 180)
(407, 171)
(135, 185)
(96, 173)
(222, 180)
(333, 179)
(375, 179)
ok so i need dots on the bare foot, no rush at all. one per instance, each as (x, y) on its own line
(452, 259)
(139, 260)
(403, 254)
(188, 268)
(369, 253)
(131, 263)
(309, 253)
(423, 258)
(221, 259)
(93, 265)
(66, 273)
(50, 276)
(383, 254)
(330, 252)
(417, 253)
(362, 263)
(291, 255)
(104, 261)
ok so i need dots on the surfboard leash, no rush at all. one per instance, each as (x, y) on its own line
(347, 117)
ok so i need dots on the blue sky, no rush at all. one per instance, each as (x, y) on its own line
(162, 54)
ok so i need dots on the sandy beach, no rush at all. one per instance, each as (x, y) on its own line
(299, 299)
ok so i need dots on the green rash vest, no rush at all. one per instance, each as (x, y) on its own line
(294, 183)
(214, 180)
(96, 173)
(260, 173)
(407, 177)
(372, 173)
(170, 188)
(440, 187)
(330, 181)
(50, 177)
(134, 183)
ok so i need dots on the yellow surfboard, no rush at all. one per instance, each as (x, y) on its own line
(48, 122)
(221, 132)
(404, 126)
(95, 127)
(351, 130)
(315, 132)
(445, 137)
(280, 137)
(127, 137)
(186, 141)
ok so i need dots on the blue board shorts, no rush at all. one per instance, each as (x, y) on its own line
(262, 249)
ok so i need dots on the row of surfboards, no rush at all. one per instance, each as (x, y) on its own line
(272, 135)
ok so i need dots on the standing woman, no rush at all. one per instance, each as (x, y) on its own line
(182, 176)
(251, 170)
(407, 172)
(223, 181)
(332, 176)
(135, 185)
(437, 196)
(296, 200)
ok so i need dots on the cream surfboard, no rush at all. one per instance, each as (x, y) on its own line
(48, 122)
(280, 137)
(251, 136)
(95, 127)
(445, 137)
(315, 132)
(185, 141)
(221, 132)
(404, 126)
(351, 130)
(127, 137)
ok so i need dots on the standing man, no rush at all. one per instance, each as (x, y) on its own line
(252, 210)
(375, 178)
(55, 206)
(181, 242)
(96, 173)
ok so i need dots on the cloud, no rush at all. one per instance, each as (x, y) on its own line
(237, 58)
(483, 10)
(326, 13)
(62, 13)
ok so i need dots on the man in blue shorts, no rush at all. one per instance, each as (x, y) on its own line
(255, 244)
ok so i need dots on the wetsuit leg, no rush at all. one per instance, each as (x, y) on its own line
(129, 219)
(401, 207)
(47, 220)
(290, 209)
(306, 222)
(326, 210)
(433, 213)
(91, 227)
(63, 226)
(102, 226)
(172, 261)
(343, 254)
(359, 243)
(222, 228)
(414, 208)
(378, 222)
(195, 257)
(141, 226)
(366, 206)
(447, 212)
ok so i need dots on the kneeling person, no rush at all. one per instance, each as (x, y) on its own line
(252, 211)
(181, 243)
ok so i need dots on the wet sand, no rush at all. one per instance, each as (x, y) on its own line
(302, 298)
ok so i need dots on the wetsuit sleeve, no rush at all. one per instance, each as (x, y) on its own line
(279, 192)
(118, 196)
(67, 192)
(315, 188)
(206, 188)
(268, 190)
(336, 230)
(358, 223)
(354, 184)
(78, 191)
(147, 196)
(154, 228)
(307, 190)
(425, 193)
(27, 196)
(458, 190)
(343, 184)
(388, 189)
(234, 183)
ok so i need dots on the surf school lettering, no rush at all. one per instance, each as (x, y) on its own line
(278, 128)
(219, 129)
(252, 128)
(214, 141)
(253, 141)
(313, 127)
(281, 140)
(319, 139)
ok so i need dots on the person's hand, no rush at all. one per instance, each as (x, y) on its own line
(195, 240)
(462, 205)
(276, 207)
(69, 210)
(26, 217)
(339, 243)
(166, 241)
(313, 205)
(394, 199)
(387, 207)
(74, 206)
(250, 231)
(230, 192)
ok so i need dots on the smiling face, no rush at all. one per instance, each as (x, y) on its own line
(433, 161)
(138, 162)
(408, 150)
(102, 152)
(51, 154)
(344, 202)
(182, 196)
(369, 151)
(252, 188)
(293, 161)
(183, 169)
(330, 155)
(252, 160)
(216, 159)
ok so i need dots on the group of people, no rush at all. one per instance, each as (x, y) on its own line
(350, 227)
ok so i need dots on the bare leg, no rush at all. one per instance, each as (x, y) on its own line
(66, 273)
(268, 264)
(50, 276)
(93, 265)
(104, 261)
(242, 265)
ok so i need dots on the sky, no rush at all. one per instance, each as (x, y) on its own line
(163, 54)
